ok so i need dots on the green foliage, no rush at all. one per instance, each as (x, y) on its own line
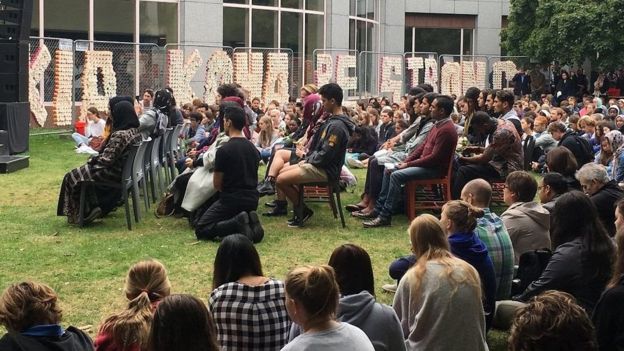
(569, 31)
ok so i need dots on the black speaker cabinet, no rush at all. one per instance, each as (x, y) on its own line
(15, 19)
(14, 87)
(13, 57)
(15, 119)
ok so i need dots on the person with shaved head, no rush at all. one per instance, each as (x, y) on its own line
(491, 230)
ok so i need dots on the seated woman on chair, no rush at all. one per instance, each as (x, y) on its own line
(107, 166)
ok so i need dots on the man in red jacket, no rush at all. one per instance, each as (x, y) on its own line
(430, 160)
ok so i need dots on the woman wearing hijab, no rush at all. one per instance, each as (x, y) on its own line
(611, 155)
(107, 166)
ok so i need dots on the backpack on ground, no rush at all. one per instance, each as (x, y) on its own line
(530, 268)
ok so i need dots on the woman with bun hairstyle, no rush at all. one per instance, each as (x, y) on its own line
(312, 300)
(357, 305)
(459, 220)
(182, 323)
(146, 285)
(438, 301)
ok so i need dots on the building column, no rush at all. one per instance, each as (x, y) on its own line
(201, 22)
(337, 24)
(487, 34)
(392, 26)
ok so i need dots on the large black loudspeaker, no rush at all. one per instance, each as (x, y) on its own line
(13, 71)
(15, 19)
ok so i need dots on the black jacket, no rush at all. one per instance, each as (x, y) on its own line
(573, 143)
(522, 84)
(566, 271)
(329, 146)
(605, 200)
(608, 318)
(73, 340)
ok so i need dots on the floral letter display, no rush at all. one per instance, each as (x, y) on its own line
(180, 74)
(450, 83)
(219, 71)
(94, 60)
(276, 78)
(457, 78)
(63, 78)
(248, 71)
(502, 73)
(324, 70)
(391, 76)
(38, 64)
(344, 64)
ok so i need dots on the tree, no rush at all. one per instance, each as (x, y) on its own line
(569, 31)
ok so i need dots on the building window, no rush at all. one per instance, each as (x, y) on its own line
(114, 20)
(363, 25)
(158, 23)
(298, 25)
(441, 40)
(57, 13)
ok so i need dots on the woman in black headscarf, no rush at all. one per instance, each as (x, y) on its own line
(106, 166)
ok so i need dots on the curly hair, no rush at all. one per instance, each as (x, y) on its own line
(552, 321)
(27, 304)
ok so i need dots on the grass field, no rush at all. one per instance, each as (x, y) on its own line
(87, 266)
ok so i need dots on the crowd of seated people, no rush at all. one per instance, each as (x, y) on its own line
(560, 167)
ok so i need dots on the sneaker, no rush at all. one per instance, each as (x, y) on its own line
(298, 222)
(355, 163)
(389, 288)
(266, 188)
(270, 204)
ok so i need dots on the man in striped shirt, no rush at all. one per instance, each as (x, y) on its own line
(492, 232)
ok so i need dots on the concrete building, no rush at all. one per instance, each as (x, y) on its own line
(390, 26)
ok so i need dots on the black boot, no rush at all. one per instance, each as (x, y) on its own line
(267, 187)
(239, 224)
(256, 227)
(280, 209)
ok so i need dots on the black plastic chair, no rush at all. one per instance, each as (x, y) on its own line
(164, 155)
(155, 169)
(321, 192)
(173, 148)
(126, 186)
(139, 180)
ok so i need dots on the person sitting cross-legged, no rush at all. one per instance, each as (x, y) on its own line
(235, 177)
(326, 157)
(430, 160)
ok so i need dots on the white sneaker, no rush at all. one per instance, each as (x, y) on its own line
(355, 163)
(389, 288)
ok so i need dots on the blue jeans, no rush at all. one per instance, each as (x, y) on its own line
(80, 139)
(399, 267)
(392, 183)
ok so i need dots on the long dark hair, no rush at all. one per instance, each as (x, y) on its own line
(236, 257)
(353, 268)
(561, 160)
(618, 267)
(576, 216)
(182, 322)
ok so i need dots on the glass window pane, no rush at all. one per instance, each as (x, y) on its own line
(352, 7)
(467, 41)
(158, 23)
(113, 20)
(235, 27)
(34, 24)
(236, 1)
(371, 9)
(295, 4)
(352, 35)
(314, 39)
(292, 31)
(57, 13)
(361, 36)
(315, 5)
(265, 2)
(360, 10)
(408, 39)
(264, 29)
(442, 41)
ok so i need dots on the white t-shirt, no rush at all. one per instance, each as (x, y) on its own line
(96, 129)
(343, 338)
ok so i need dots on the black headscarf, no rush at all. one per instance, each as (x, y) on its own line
(124, 116)
(163, 101)
(114, 100)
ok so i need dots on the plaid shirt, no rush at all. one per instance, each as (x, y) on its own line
(492, 232)
(250, 317)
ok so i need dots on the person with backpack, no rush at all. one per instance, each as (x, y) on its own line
(578, 145)
(154, 120)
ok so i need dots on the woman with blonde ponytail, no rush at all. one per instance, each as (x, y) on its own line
(438, 301)
(459, 220)
(146, 285)
(311, 300)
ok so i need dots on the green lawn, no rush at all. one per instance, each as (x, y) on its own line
(87, 266)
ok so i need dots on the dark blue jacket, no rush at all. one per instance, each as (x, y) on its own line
(468, 247)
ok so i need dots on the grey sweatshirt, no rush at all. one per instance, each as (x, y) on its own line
(377, 321)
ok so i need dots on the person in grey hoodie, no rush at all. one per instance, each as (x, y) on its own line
(357, 305)
(527, 222)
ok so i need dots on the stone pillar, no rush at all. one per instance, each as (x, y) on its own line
(337, 28)
(201, 22)
(392, 26)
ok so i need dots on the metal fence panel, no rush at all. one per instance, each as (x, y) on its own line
(337, 66)
(273, 63)
(381, 74)
(421, 68)
(501, 69)
(460, 72)
(197, 61)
